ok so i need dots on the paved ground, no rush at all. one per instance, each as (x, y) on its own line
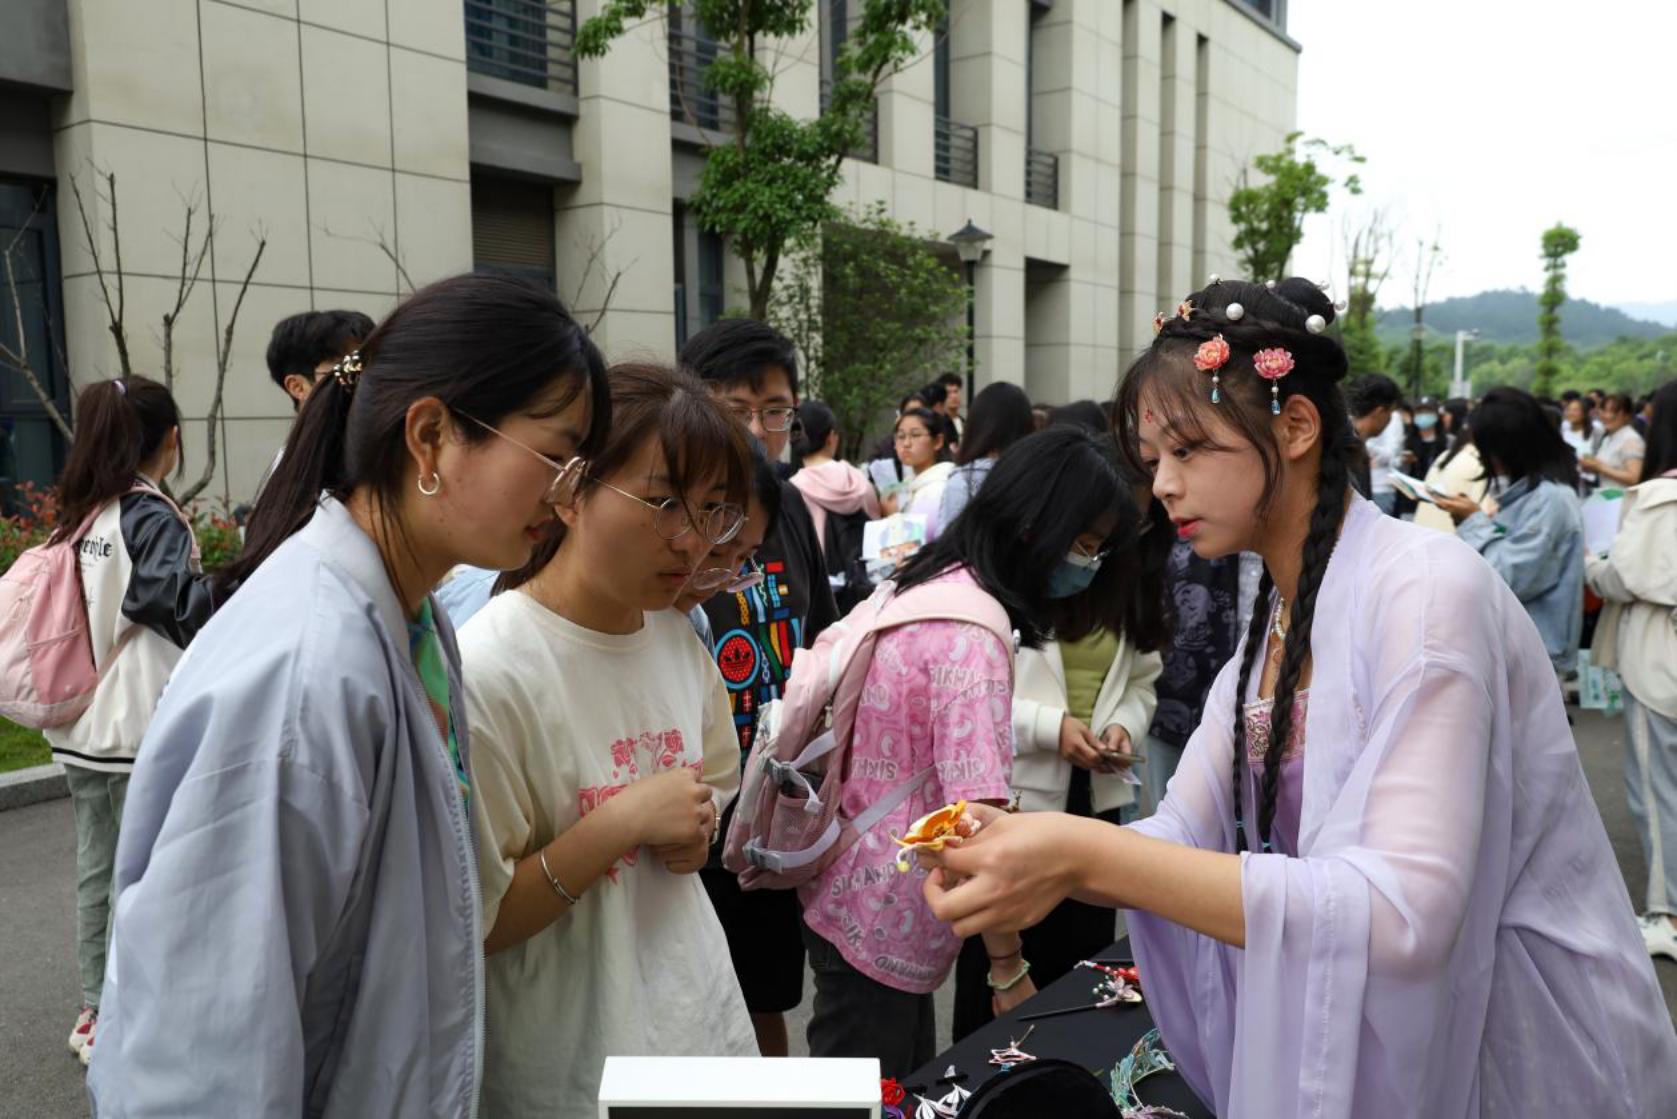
(39, 1079)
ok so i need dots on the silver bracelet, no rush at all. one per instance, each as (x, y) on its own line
(552, 881)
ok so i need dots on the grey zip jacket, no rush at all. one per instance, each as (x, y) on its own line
(297, 929)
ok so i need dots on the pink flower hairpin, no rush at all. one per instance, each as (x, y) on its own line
(1272, 365)
(1185, 310)
(1158, 321)
(1210, 358)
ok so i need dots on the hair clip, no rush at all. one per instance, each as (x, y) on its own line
(1185, 310)
(1214, 281)
(1315, 324)
(1210, 358)
(1158, 322)
(1272, 365)
(1235, 312)
(1012, 1055)
(121, 388)
(348, 369)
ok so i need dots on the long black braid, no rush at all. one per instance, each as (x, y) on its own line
(1269, 316)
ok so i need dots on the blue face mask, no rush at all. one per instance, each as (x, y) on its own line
(1425, 420)
(1072, 575)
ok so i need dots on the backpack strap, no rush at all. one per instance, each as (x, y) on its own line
(780, 861)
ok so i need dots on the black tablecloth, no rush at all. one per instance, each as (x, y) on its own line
(1095, 1039)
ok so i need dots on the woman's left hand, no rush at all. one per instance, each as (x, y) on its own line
(1004, 1001)
(1010, 874)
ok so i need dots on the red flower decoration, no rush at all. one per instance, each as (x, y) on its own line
(1272, 365)
(1212, 355)
(1185, 309)
(891, 1092)
(1158, 322)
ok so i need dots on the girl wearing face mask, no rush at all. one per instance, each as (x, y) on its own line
(1081, 705)
(1378, 884)
(937, 695)
(297, 928)
(604, 757)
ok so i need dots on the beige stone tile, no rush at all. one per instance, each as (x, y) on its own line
(632, 244)
(251, 446)
(346, 95)
(436, 26)
(434, 220)
(350, 211)
(428, 98)
(138, 63)
(358, 17)
(1048, 235)
(259, 193)
(156, 175)
(625, 149)
(249, 391)
(375, 305)
(250, 78)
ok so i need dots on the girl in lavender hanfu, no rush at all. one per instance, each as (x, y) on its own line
(1378, 885)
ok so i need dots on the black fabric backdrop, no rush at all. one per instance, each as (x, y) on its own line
(1095, 1039)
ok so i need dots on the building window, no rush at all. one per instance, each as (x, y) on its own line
(31, 448)
(512, 229)
(531, 42)
(712, 296)
(1270, 11)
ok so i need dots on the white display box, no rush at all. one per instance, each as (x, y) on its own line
(768, 1087)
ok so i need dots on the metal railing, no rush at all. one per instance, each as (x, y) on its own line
(868, 149)
(531, 42)
(955, 151)
(1042, 178)
(690, 102)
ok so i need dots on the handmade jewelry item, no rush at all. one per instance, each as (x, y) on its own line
(1272, 365)
(931, 831)
(1158, 322)
(891, 1096)
(945, 1108)
(1121, 984)
(1012, 1055)
(347, 371)
(1210, 358)
(1144, 1059)
(1185, 310)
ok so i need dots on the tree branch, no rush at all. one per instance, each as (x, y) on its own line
(18, 359)
(224, 355)
(113, 305)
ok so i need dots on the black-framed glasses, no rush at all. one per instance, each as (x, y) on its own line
(779, 418)
(671, 519)
(565, 474)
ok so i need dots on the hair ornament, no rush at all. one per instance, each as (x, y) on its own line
(347, 371)
(1185, 310)
(1315, 324)
(1270, 284)
(1272, 365)
(1340, 305)
(1235, 312)
(1215, 280)
(1210, 358)
(1158, 322)
(121, 388)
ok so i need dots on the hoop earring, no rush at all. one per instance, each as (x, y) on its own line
(436, 484)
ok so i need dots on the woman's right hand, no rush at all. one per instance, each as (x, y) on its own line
(1079, 746)
(670, 809)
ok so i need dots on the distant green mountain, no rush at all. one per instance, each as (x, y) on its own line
(1510, 317)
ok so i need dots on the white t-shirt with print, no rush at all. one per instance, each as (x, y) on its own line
(561, 719)
(1620, 447)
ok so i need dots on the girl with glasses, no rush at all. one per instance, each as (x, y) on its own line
(920, 448)
(297, 928)
(604, 757)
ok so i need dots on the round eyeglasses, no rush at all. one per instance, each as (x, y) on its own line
(779, 418)
(749, 575)
(671, 519)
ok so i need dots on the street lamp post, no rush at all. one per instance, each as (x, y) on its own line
(971, 243)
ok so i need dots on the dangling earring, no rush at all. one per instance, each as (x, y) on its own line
(436, 484)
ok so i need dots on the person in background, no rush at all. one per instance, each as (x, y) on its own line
(1535, 540)
(1617, 459)
(1001, 416)
(1645, 415)
(937, 703)
(935, 398)
(1458, 471)
(922, 448)
(301, 352)
(1039, 415)
(1374, 398)
(1082, 704)
(1637, 637)
(1426, 441)
(954, 387)
(753, 369)
(297, 918)
(1581, 432)
(840, 498)
(145, 597)
(603, 756)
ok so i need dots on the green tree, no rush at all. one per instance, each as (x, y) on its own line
(1368, 252)
(1269, 218)
(771, 182)
(875, 313)
(1559, 242)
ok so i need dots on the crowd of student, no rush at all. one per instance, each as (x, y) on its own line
(428, 817)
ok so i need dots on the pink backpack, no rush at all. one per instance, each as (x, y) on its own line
(789, 825)
(47, 672)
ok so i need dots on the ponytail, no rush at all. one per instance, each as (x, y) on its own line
(120, 425)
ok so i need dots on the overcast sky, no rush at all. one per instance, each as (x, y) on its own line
(1493, 119)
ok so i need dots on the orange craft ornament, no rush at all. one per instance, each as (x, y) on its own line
(931, 831)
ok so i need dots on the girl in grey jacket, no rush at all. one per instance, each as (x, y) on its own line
(297, 929)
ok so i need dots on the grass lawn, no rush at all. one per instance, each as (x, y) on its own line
(21, 748)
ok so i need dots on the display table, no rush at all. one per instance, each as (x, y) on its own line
(1095, 1039)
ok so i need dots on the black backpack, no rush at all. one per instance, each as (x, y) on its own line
(846, 570)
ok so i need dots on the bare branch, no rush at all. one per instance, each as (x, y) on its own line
(378, 241)
(192, 266)
(113, 304)
(18, 359)
(224, 355)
